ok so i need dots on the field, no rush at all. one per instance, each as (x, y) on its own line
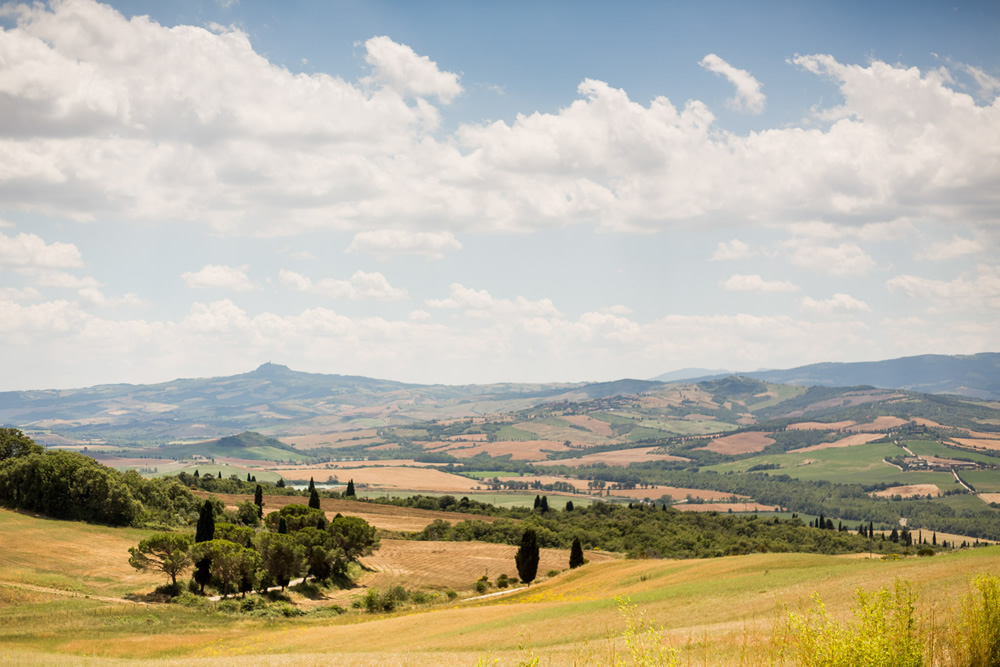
(387, 478)
(740, 443)
(620, 457)
(715, 611)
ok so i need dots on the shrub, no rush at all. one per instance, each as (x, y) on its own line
(976, 640)
(551, 573)
(502, 581)
(883, 633)
(925, 551)
(451, 594)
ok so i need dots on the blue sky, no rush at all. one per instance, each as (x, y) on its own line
(469, 192)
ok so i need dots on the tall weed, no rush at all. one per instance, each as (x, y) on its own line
(976, 637)
(883, 633)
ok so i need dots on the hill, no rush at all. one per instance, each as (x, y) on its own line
(974, 376)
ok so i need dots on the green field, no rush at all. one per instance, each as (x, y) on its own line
(861, 464)
(984, 481)
(508, 432)
(500, 499)
(934, 448)
(213, 469)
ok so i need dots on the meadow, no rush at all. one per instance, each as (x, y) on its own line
(713, 611)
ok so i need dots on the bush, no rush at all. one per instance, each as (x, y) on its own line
(925, 551)
(551, 573)
(374, 602)
(451, 594)
(883, 633)
(482, 585)
(976, 639)
(502, 581)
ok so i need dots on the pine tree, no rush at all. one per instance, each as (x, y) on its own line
(894, 536)
(576, 554)
(204, 532)
(349, 493)
(314, 499)
(526, 557)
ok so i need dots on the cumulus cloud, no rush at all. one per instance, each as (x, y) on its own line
(734, 249)
(361, 285)
(383, 242)
(748, 95)
(218, 276)
(978, 290)
(399, 67)
(754, 283)
(31, 251)
(838, 303)
(230, 140)
(482, 304)
(956, 247)
(846, 259)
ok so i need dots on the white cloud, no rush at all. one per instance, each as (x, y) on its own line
(19, 294)
(734, 249)
(846, 259)
(433, 245)
(31, 251)
(216, 276)
(748, 95)
(95, 297)
(973, 291)
(957, 247)
(420, 315)
(754, 283)
(361, 285)
(399, 67)
(838, 303)
(483, 305)
(229, 140)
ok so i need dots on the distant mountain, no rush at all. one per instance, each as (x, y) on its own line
(973, 376)
(689, 373)
(273, 398)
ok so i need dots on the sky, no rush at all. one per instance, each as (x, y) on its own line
(478, 192)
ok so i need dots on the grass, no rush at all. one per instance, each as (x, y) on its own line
(984, 481)
(934, 448)
(209, 468)
(498, 499)
(861, 464)
(714, 611)
(508, 432)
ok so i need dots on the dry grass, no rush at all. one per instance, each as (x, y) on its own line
(519, 450)
(597, 426)
(849, 441)
(978, 443)
(385, 477)
(621, 457)
(452, 565)
(740, 443)
(909, 491)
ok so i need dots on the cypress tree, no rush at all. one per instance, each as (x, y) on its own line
(196, 473)
(349, 493)
(526, 557)
(220, 474)
(545, 504)
(204, 532)
(312, 485)
(538, 502)
(258, 500)
(314, 499)
(576, 554)
(248, 477)
(569, 505)
(282, 526)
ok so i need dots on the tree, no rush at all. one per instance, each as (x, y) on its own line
(281, 556)
(544, 506)
(538, 502)
(282, 526)
(246, 513)
(258, 500)
(314, 499)
(526, 557)
(14, 443)
(354, 536)
(322, 555)
(569, 505)
(349, 493)
(166, 552)
(204, 532)
(576, 554)
(312, 485)
(230, 562)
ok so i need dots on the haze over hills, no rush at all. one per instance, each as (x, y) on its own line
(974, 376)
(274, 398)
